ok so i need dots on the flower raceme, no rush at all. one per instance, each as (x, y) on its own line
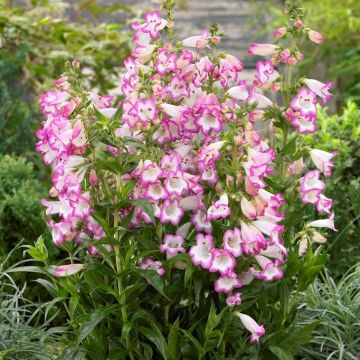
(201, 164)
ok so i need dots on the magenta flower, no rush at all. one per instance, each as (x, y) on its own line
(171, 212)
(234, 300)
(150, 264)
(304, 102)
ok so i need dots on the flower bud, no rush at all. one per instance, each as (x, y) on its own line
(238, 140)
(248, 208)
(218, 188)
(315, 36)
(280, 32)
(297, 167)
(93, 178)
(318, 238)
(75, 64)
(298, 24)
(215, 39)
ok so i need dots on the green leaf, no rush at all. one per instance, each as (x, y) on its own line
(112, 165)
(154, 280)
(295, 338)
(280, 353)
(310, 269)
(173, 341)
(145, 205)
(93, 320)
(199, 348)
(130, 141)
(155, 336)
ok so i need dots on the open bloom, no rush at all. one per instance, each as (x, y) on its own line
(219, 209)
(227, 282)
(250, 324)
(201, 253)
(173, 244)
(232, 241)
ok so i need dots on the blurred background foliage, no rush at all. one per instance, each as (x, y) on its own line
(338, 57)
(36, 38)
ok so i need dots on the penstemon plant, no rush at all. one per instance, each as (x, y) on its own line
(187, 204)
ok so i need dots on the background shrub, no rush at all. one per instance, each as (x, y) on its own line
(343, 135)
(20, 208)
(337, 307)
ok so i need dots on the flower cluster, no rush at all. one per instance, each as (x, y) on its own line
(63, 143)
(202, 164)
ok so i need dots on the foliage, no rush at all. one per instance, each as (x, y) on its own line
(24, 325)
(339, 55)
(36, 39)
(342, 133)
(20, 208)
(336, 305)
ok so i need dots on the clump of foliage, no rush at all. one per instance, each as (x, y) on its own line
(342, 133)
(20, 208)
(36, 39)
(337, 307)
(25, 330)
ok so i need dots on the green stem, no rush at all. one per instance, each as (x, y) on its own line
(120, 285)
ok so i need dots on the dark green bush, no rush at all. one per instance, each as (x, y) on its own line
(343, 134)
(20, 208)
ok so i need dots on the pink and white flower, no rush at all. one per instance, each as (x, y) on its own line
(322, 160)
(251, 325)
(219, 209)
(232, 241)
(172, 245)
(320, 89)
(227, 283)
(222, 261)
(201, 253)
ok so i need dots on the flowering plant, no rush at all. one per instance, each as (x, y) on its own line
(186, 229)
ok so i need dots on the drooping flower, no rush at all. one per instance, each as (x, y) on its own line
(322, 160)
(250, 324)
(67, 270)
(262, 49)
(320, 89)
(315, 36)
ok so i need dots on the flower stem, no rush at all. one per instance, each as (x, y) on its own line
(120, 285)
